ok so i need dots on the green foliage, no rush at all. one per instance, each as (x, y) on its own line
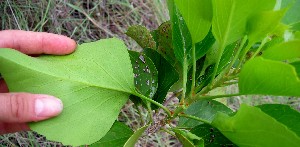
(251, 126)
(205, 45)
(91, 101)
(118, 134)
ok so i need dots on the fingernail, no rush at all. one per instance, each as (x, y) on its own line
(48, 106)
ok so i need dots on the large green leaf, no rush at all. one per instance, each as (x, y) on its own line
(252, 127)
(118, 134)
(134, 138)
(203, 109)
(263, 76)
(167, 75)
(212, 137)
(283, 114)
(197, 15)
(94, 83)
(261, 24)
(283, 51)
(230, 17)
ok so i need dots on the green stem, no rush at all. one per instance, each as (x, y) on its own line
(194, 70)
(150, 111)
(168, 131)
(184, 80)
(140, 114)
(244, 53)
(260, 47)
(237, 54)
(195, 118)
(154, 102)
(219, 56)
(200, 97)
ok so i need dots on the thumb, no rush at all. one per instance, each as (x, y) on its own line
(25, 107)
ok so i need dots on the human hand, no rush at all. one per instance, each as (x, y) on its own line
(16, 109)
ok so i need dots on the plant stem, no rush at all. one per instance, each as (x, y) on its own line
(153, 102)
(219, 56)
(260, 47)
(150, 111)
(200, 97)
(194, 70)
(195, 118)
(184, 80)
(168, 131)
(140, 114)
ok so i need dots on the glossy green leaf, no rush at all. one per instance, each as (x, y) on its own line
(188, 139)
(283, 51)
(118, 134)
(261, 24)
(94, 83)
(263, 76)
(181, 37)
(197, 15)
(167, 75)
(283, 114)
(142, 36)
(297, 67)
(145, 74)
(292, 15)
(252, 127)
(203, 109)
(230, 17)
(212, 137)
(134, 138)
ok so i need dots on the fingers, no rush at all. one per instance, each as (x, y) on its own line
(25, 107)
(36, 42)
(3, 86)
(13, 127)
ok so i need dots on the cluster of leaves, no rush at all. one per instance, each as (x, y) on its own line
(205, 45)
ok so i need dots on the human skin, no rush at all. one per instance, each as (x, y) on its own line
(17, 109)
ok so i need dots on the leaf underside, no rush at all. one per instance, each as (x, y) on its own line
(94, 83)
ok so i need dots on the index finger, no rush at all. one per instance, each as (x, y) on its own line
(36, 42)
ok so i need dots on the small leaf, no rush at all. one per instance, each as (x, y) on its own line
(197, 15)
(188, 139)
(145, 74)
(136, 135)
(93, 83)
(118, 134)
(261, 24)
(203, 109)
(252, 127)
(142, 36)
(211, 136)
(283, 114)
(283, 51)
(263, 76)
(167, 75)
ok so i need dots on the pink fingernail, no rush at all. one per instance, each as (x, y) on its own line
(48, 106)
